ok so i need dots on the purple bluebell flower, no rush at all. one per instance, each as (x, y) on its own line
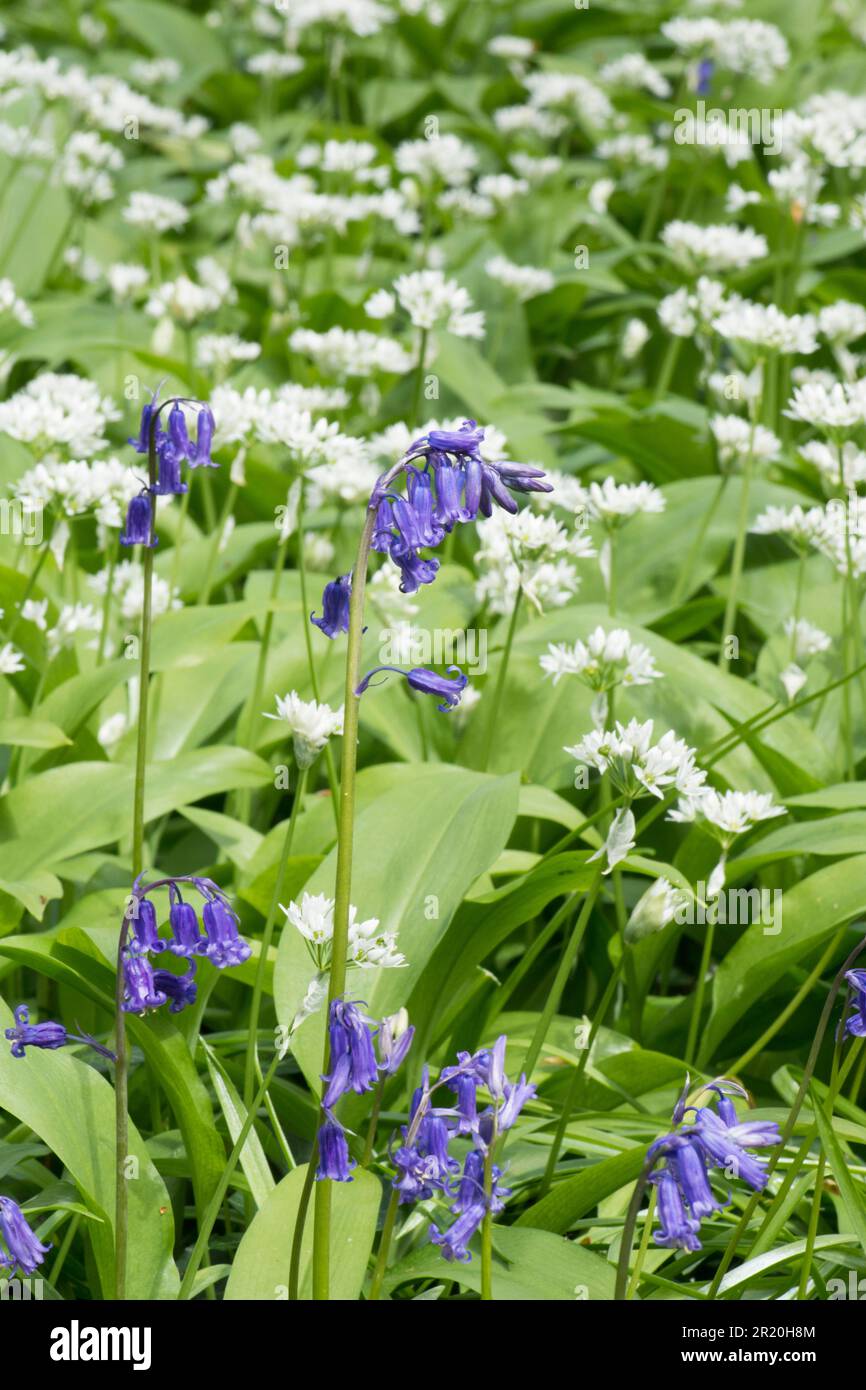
(200, 456)
(140, 991)
(334, 1160)
(145, 936)
(465, 1087)
(414, 569)
(25, 1251)
(48, 1035)
(335, 607)
(677, 1230)
(393, 1050)
(180, 989)
(177, 432)
(416, 1174)
(141, 441)
(427, 682)
(686, 1162)
(855, 1025)
(186, 939)
(704, 79)
(455, 1241)
(352, 1058)
(516, 1096)
(222, 945)
(470, 1206)
(139, 522)
(725, 1145)
(169, 481)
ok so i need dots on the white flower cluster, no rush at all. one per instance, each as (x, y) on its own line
(726, 815)
(526, 281)
(187, 300)
(58, 413)
(311, 725)
(613, 503)
(103, 486)
(127, 587)
(530, 553)
(341, 352)
(605, 660)
(737, 440)
(85, 166)
(634, 70)
(153, 212)
(747, 46)
(369, 948)
(717, 247)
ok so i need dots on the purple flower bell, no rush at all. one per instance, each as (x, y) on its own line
(25, 1251)
(139, 522)
(48, 1035)
(223, 946)
(335, 607)
(427, 682)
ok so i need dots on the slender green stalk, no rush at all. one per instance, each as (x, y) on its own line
(644, 1246)
(730, 618)
(628, 1230)
(311, 663)
(121, 1071)
(216, 1201)
(492, 721)
(419, 379)
(374, 1123)
(215, 543)
(300, 1223)
(812, 1231)
(253, 708)
(611, 578)
(487, 1226)
(791, 1007)
(698, 997)
(567, 959)
(574, 1083)
(343, 883)
(267, 934)
(106, 602)
(384, 1247)
(685, 574)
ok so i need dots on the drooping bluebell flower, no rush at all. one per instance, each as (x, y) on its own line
(713, 1140)
(145, 936)
(334, 1161)
(25, 1251)
(352, 1058)
(704, 78)
(180, 989)
(677, 1230)
(48, 1035)
(141, 441)
(140, 991)
(222, 945)
(177, 432)
(427, 682)
(186, 939)
(855, 1025)
(139, 522)
(471, 1205)
(169, 481)
(394, 1039)
(200, 457)
(335, 607)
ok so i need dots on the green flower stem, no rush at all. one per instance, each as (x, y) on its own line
(566, 962)
(419, 379)
(343, 883)
(730, 618)
(267, 934)
(622, 1292)
(611, 582)
(28, 589)
(698, 997)
(200, 1248)
(685, 574)
(644, 1246)
(487, 1224)
(384, 1247)
(791, 1121)
(492, 720)
(247, 721)
(527, 960)
(300, 1223)
(121, 1071)
(576, 1077)
(311, 663)
(374, 1123)
(599, 814)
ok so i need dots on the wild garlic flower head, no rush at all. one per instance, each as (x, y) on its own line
(369, 947)
(636, 765)
(311, 725)
(738, 439)
(605, 660)
(700, 249)
(58, 413)
(613, 503)
(529, 552)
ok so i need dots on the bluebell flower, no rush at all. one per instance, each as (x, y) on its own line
(704, 80)
(416, 1174)
(394, 1042)
(177, 432)
(677, 1230)
(455, 1241)
(186, 939)
(140, 991)
(141, 441)
(334, 1161)
(352, 1058)
(200, 457)
(25, 1251)
(169, 481)
(471, 1205)
(139, 522)
(715, 1139)
(335, 607)
(145, 936)
(856, 1024)
(48, 1035)
(180, 989)
(222, 945)
(448, 689)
